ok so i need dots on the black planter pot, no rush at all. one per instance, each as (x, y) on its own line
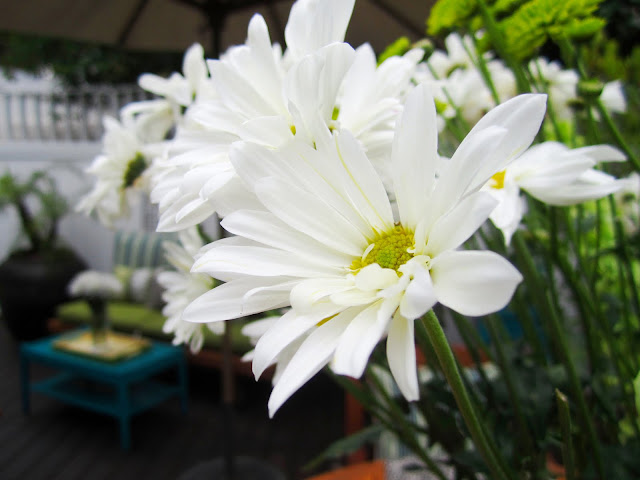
(32, 285)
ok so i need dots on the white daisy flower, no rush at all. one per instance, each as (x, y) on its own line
(628, 200)
(612, 97)
(96, 285)
(326, 243)
(460, 53)
(268, 99)
(554, 174)
(181, 288)
(560, 84)
(182, 89)
(120, 171)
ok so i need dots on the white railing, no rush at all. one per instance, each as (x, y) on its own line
(73, 114)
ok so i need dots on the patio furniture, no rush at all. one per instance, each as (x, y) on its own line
(120, 389)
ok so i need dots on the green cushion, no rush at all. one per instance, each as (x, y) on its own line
(132, 317)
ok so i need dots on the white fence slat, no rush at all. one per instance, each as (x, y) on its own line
(63, 115)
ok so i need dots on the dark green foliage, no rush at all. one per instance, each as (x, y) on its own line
(40, 226)
(77, 63)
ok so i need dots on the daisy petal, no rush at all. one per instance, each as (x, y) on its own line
(401, 353)
(313, 354)
(472, 282)
(310, 215)
(257, 261)
(308, 292)
(453, 229)
(521, 116)
(419, 296)
(266, 228)
(226, 302)
(285, 330)
(359, 339)
(414, 154)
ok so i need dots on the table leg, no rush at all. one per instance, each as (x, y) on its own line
(25, 387)
(124, 416)
(184, 385)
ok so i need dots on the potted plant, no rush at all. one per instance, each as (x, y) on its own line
(34, 277)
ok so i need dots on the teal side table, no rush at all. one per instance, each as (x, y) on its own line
(119, 389)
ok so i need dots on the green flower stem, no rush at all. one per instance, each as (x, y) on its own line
(559, 338)
(426, 348)
(503, 363)
(481, 64)
(606, 117)
(392, 418)
(585, 294)
(613, 129)
(567, 444)
(598, 240)
(465, 125)
(551, 114)
(473, 342)
(450, 369)
(521, 309)
(499, 43)
(627, 261)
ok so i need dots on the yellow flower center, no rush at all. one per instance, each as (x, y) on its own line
(498, 180)
(389, 250)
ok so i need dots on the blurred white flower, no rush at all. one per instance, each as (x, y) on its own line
(181, 288)
(120, 171)
(268, 98)
(554, 174)
(628, 200)
(560, 84)
(96, 285)
(612, 97)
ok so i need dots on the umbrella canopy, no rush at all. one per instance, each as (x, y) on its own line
(173, 25)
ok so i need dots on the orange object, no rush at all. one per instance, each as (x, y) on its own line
(360, 471)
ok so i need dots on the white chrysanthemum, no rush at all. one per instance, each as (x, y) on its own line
(460, 53)
(326, 243)
(554, 174)
(96, 285)
(181, 288)
(458, 85)
(560, 84)
(268, 99)
(120, 171)
(612, 97)
(628, 200)
(182, 89)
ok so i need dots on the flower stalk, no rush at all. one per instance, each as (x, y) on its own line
(452, 373)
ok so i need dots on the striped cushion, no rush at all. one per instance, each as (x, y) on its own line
(140, 249)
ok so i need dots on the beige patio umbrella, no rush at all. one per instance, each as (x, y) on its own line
(173, 25)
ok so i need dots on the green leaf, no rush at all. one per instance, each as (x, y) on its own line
(399, 47)
(585, 29)
(347, 445)
(636, 391)
(447, 15)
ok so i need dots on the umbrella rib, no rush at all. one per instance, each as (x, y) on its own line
(135, 15)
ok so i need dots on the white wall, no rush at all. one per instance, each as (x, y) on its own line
(66, 162)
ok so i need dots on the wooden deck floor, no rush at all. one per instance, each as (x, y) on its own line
(63, 442)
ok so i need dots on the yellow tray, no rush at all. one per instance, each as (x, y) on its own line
(115, 347)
